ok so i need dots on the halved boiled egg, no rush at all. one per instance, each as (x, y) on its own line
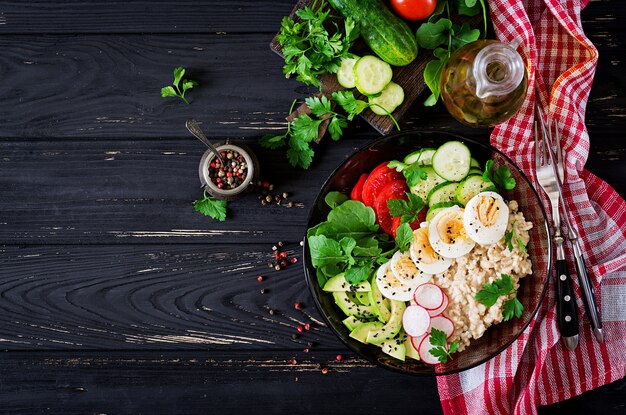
(424, 256)
(390, 286)
(405, 270)
(486, 217)
(447, 234)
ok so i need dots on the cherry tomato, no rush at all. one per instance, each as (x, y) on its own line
(357, 190)
(379, 177)
(414, 9)
(393, 190)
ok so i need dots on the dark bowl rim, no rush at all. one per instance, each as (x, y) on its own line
(307, 259)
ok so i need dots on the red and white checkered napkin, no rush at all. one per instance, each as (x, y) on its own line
(537, 369)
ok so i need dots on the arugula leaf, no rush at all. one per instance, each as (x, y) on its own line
(440, 349)
(407, 210)
(355, 275)
(404, 236)
(210, 206)
(175, 89)
(464, 34)
(432, 75)
(334, 199)
(431, 35)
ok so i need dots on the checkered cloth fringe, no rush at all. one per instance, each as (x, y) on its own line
(537, 369)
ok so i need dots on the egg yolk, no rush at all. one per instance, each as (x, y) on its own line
(450, 227)
(425, 253)
(487, 210)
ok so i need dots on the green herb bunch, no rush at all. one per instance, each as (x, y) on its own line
(308, 47)
(441, 350)
(176, 89)
(443, 36)
(503, 286)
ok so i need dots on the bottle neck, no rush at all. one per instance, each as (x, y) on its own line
(498, 69)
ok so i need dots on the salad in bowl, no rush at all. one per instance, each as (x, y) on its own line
(424, 254)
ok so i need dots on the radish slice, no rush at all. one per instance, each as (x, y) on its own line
(441, 309)
(429, 296)
(424, 352)
(416, 341)
(415, 321)
(442, 323)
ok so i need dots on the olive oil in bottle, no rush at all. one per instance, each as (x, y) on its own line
(484, 83)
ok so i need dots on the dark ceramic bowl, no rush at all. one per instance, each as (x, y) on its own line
(532, 289)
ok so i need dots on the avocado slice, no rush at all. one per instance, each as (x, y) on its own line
(395, 347)
(361, 331)
(410, 350)
(350, 308)
(392, 327)
(339, 283)
(351, 322)
(362, 298)
(378, 303)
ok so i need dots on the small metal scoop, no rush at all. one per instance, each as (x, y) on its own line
(196, 131)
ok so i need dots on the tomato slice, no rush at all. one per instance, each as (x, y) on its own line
(357, 190)
(396, 222)
(378, 178)
(395, 189)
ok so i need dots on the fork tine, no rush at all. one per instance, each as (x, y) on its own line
(537, 156)
(559, 152)
(544, 136)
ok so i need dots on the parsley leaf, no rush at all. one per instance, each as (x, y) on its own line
(210, 206)
(501, 177)
(407, 210)
(404, 236)
(511, 236)
(501, 287)
(273, 141)
(300, 156)
(318, 105)
(440, 349)
(174, 90)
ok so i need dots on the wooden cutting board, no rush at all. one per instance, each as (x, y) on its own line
(410, 77)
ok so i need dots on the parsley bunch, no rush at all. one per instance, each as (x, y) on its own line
(442, 36)
(304, 129)
(501, 176)
(501, 287)
(440, 349)
(413, 173)
(176, 89)
(210, 206)
(308, 47)
(407, 210)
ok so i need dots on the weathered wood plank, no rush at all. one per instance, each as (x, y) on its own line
(154, 297)
(263, 382)
(106, 86)
(140, 16)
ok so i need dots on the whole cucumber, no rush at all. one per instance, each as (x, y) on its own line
(385, 33)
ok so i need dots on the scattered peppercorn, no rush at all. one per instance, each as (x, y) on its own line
(339, 357)
(259, 278)
(263, 290)
(307, 326)
(277, 267)
(293, 260)
(297, 306)
(310, 344)
(305, 350)
(295, 336)
(280, 243)
(285, 195)
(299, 328)
(324, 370)
(272, 312)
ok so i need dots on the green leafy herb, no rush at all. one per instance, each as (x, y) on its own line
(501, 176)
(441, 349)
(404, 236)
(176, 89)
(334, 199)
(511, 236)
(443, 36)
(413, 173)
(408, 210)
(309, 47)
(303, 130)
(503, 286)
(347, 242)
(210, 206)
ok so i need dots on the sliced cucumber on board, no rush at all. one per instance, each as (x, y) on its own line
(371, 75)
(389, 99)
(345, 74)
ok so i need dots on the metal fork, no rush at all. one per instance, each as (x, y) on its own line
(567, 314)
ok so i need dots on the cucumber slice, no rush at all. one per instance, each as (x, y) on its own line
(345, 74)
(452, 161)
(423, 156)
(371, 75)
(474, 170)
(426, 185)
(444, 192)
(434, 209)
(475, 163)
(389, 99)
(470, 187)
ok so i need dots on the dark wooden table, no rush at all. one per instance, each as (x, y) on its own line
(115, 295)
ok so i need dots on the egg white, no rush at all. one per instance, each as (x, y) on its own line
(424, 256)
(486, 217)
(447, 234)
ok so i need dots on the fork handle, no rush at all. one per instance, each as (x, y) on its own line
(566, 311)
